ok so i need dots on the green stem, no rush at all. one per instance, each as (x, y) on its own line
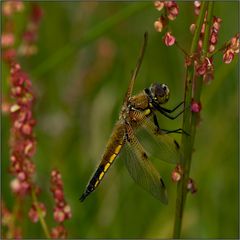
(224, 46)
(187, 141)
(181, 48)
(40, 215)
(199, 80)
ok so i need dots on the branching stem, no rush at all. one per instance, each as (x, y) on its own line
(189, 118)
(40, 215)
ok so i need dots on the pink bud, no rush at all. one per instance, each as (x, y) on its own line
(158, 25)
(27, 129)
(228, 56)
(213, 38)
(159, 5)
(171, 16)
(15, 185)
(28, 148)
(196, 107)
(14, 108)
(58, 194)
(9, 54)
(176, 176)
(59, 232)
(59, 215)
(191, 186)
(37, 13)
(211, 48)
(22, 176)
(172, 9)
(169, 39)
(33, 212)
(200, 43)
(67, 211)
(29, 36)
(235, 43)
(33, 215)
(197, 4)
(177, 173)
(7, 40)
(192, 28)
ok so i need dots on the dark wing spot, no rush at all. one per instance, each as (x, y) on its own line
(144, 155)
(176, 143)
(162, 183)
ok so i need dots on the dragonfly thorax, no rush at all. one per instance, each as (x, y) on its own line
(158, 93)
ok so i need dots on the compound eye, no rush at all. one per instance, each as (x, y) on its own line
(160, 93)
(166, 89)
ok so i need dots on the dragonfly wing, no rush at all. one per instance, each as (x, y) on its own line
(143, 171)
(161, 145)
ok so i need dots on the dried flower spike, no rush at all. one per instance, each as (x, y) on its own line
(62, 210)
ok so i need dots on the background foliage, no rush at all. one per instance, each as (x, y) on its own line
(86, 51)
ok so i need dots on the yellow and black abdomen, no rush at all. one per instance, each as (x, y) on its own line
(112, 150)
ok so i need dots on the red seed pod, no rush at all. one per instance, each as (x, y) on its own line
(160, 24)
(37, 14)
(196, 106)
(33, 212)
(169, 39)
(58, 215)
(177, 173)
(228, 56)
(59, 232)
(235, 43)
(7, 40)
(159, 5)
(191, 186)
(201, 69)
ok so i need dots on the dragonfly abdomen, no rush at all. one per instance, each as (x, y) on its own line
(113, 148)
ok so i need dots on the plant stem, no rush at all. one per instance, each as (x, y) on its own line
(40, 215)
(187, 141)
(199, 80)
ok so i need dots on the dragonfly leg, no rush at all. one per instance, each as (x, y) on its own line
(155, 120)
(159, 130)
(161, 110)
(172, 110)
(166, 112)
(179, 130)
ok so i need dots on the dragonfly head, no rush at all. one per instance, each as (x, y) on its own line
(159, 93)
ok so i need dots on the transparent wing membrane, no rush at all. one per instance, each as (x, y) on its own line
(143, 171)
(162, 146)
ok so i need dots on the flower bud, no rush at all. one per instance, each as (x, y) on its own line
(169, 39)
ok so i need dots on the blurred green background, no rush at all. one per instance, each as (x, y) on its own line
(86, 51)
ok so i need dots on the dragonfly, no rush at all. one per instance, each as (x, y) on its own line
(139, 112)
